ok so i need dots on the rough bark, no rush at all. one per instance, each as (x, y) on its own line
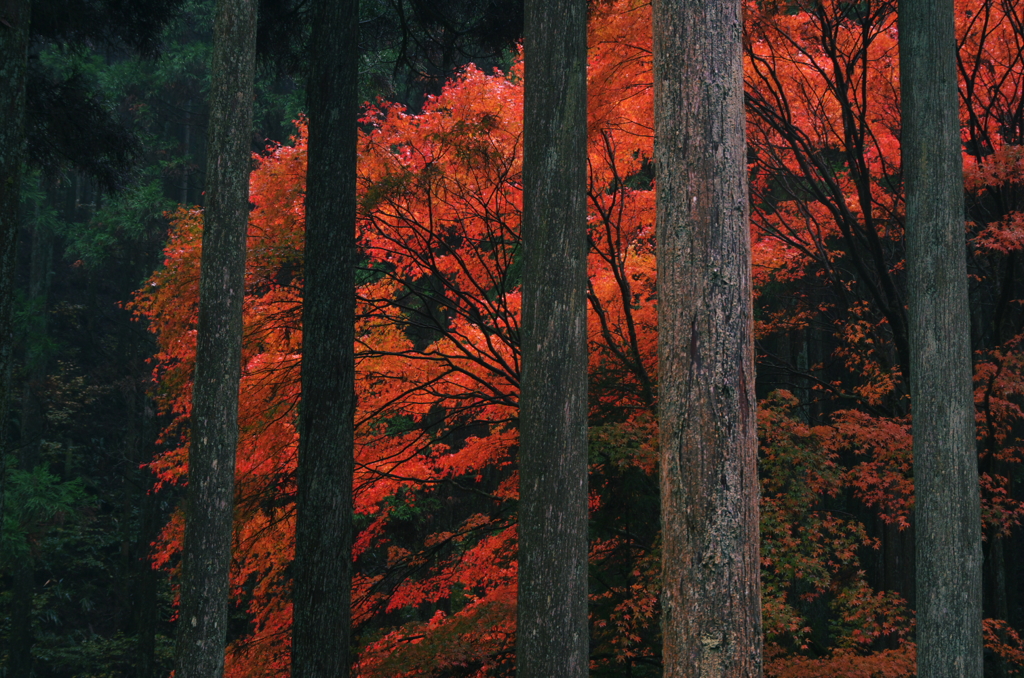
(948, 524)
(711, 601)
(323, 542)
(553, 635)
(202, 625)
(14, 22)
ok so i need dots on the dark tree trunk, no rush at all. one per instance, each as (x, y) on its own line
(997, 568)
(948, 524)
(19, 656)
(186, 147)
(33, 415)
(711, 597)
(202, 623)
(14, 21)
(553, 633)
(145, 608)
(143, 580)
(323, 539)
(33, 421)
(998, 606)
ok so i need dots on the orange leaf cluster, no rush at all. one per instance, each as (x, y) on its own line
(440, 198)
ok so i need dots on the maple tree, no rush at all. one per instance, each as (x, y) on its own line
(825, 128)
(437, 351)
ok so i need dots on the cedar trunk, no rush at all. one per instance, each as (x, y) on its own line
(13, 65)
(33, 427)
(206, 558)
(947, 501)
(323, 541)
(553, 635)
(711, 600)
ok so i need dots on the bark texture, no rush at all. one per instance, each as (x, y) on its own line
(14, 21)
(323, 546)
(948, 521)
(711, 600)
(553, 633)
(202, 625)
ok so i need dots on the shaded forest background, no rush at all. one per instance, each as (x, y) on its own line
(108, 268)
(117, 120)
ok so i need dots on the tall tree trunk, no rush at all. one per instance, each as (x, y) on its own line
(142, 616)
(948, 525)
(146, 603)
(33, 423)
(33, 418)
(14, 22)
(186, 154)
(998, 607)
(202, 625)
(997, 565)
(711, 597)
(22, 636)
(553, 634)
(323, 538)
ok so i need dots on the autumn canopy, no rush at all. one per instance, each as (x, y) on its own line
(438, 355)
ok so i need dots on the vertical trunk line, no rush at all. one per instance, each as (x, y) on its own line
(552, 626)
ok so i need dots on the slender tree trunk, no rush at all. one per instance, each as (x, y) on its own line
(142, 579)
(145, 608)
(323, 539)
(948, 525)
(553, 632)
(33, 413)
(1000, 606)
(33, 423)
(186, 155)
(711, 597)
(202, 625)
(14, 22)
(19, 655)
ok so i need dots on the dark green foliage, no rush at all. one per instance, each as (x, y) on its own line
(118, 228)
(118, 116)
(411, 47)
(127, 24)
(70, 126)
(36, 502)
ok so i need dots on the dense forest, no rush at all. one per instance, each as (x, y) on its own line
(106, 302)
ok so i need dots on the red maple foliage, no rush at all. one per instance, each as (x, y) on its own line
(438, 354)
